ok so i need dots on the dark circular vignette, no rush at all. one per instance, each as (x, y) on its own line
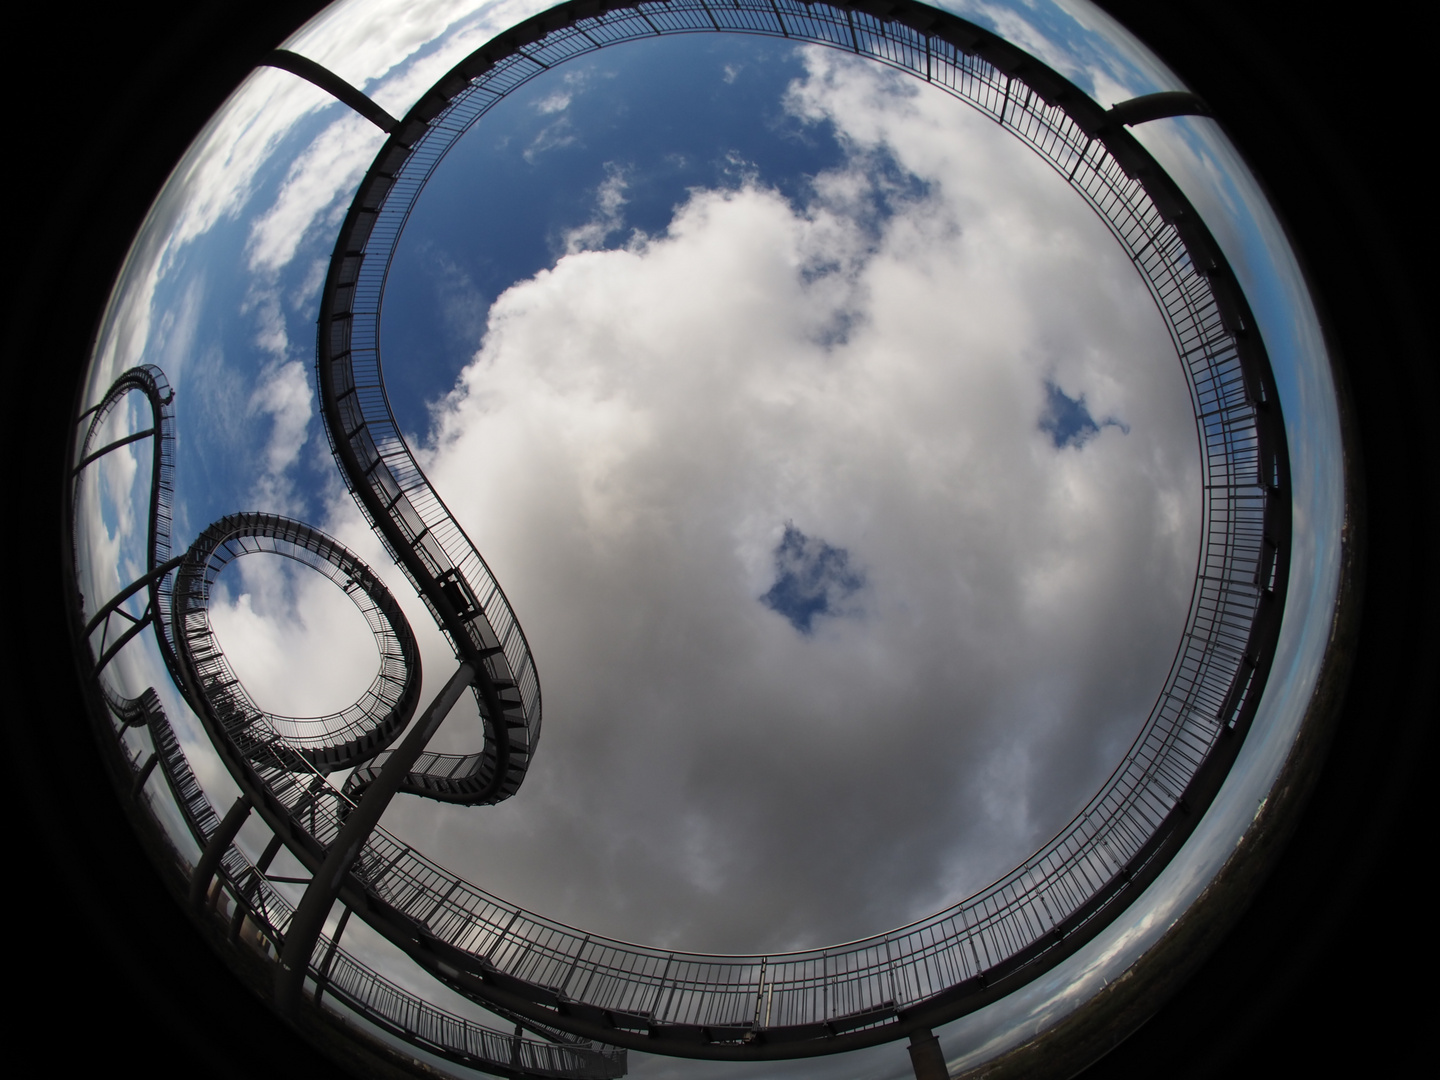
(1321, 109)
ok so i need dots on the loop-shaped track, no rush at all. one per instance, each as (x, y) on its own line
(558, 1055)
(888, 986)
(149, 380)
(327, 742)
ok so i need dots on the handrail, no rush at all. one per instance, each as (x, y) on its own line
(885, 986)
(888, 985)
(364, 990)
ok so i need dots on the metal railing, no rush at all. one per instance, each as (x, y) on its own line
(879, 987)
(1106, 851)
(333, 741)
(369, 994)
(365, 991)
(149, 380)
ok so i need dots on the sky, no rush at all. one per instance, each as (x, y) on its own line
(833, 457)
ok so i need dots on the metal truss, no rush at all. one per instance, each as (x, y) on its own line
(902, 982)
(254, 900)
(857, 993)
(310, 746)
(326, 742)
(149, 381)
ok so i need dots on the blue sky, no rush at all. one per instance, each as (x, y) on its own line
(813, 580)
(498, 208)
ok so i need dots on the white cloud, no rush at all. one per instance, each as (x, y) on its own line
(708, 778)
(608, 218)
(283, 393)
(276, 620)
(558, 101)
(1078, 40)
(393, 52)
(330, 167)
(397, 51)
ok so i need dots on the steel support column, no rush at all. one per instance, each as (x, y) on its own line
(325, 885)
(219, 843)
(925, 1056)
(332, 84)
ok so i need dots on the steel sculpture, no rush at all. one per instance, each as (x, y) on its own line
(325, 743)
(901, 983)
(309, 747)
(149, 381)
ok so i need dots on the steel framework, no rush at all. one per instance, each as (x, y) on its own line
(901, 982)
(890, 985)
(310, 746)
(336, 972)
(355, 734)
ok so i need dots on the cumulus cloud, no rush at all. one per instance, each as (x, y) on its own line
(392, 52)
(274, 619)
(557, 101)
(283, 394)
(935, 366)
(330, 166)
(871, 365)
(609, 215)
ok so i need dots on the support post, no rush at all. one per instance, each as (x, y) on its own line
(320, 895)
(143, 775)
(332, 84)
(324, 976)
(926, 1056)
(218, 844)
(253, 885)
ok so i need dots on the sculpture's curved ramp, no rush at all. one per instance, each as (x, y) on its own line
(890, 985)
(329, 742)
(149, 380)
(446, 777)
(893, 984)
(560, 1055)
(340, 974)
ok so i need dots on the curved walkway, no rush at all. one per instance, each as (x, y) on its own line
(915, 977)
(336, 972)
(327, 743)
(381, 714)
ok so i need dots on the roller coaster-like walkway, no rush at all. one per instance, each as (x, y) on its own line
(309, 746)
(337, 973)
(854, 994)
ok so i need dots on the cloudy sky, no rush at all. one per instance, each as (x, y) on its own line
(852, 525)
(832, 455)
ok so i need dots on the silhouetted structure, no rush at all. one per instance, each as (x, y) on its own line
(558, 979)
(291, 755)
